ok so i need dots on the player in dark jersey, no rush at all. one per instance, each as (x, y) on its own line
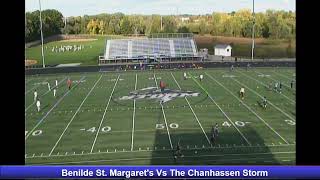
(291, 84)
(280, 87)
(231, 68)
(178, 152)
(264, 102)
(214, 133)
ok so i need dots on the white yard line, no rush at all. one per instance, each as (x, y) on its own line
(133, 114)
(169, 157)
(292, 101)
(44, 94)
(43, 118)
(268, 101)
(105, 111)
(194, 114)
(164, 115)
(222, 111)
(65, 129)
(247, 107)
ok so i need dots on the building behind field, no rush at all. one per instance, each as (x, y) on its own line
(222, 50)
(156, 48)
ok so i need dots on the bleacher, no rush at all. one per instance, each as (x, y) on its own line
(150, 49)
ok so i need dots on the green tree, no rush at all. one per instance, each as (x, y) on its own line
(125, 26)
(183, 29)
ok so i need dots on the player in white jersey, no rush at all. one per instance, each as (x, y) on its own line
(242, 93)
(184, 75)
(56, 83)
(49, 86)
(38, 105)
(35, 95)
(201, 77)
(54, 92)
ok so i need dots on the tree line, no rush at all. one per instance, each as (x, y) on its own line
(270, 24)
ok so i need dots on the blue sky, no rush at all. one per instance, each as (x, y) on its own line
(92, 7)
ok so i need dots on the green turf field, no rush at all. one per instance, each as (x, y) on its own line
(87, 56)
(93, 123)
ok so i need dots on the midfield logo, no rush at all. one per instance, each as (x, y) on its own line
(155, 93)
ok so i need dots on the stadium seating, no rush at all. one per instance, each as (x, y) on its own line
(150, 48)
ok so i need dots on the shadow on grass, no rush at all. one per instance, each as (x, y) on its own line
(196, 150)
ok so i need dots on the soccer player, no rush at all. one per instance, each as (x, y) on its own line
(231, 68)
(276, 86)
(49, 86)
(280, 87)
(35, 95)
(69, 83)
(162, 86)
(54, 92)
(291, 84)
(184, 75)
(56, 83)
(38, 105)
(242, 93)
(216, 131)
(264, 102)
(177, 152)
(201, 77)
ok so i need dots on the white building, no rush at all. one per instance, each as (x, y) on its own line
(183, 19)
(222, 50)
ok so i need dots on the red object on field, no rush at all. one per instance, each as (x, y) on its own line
(162, 85)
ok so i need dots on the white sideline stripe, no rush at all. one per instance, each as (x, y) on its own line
(34, 87)
(272, 78)
(156, 150)
(223, 113)
(247, 107)
(293, 101)
(105, 111)
(43, 118)
(268, 101)
(168, 157)
(133, 114)
(164, 115)
(65, 129)
(44, 94)
(193, 111)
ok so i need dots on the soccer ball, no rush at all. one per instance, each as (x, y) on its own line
(257, 87)
(196, 152)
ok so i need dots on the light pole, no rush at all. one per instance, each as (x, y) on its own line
(43, 65)
(252, 49)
